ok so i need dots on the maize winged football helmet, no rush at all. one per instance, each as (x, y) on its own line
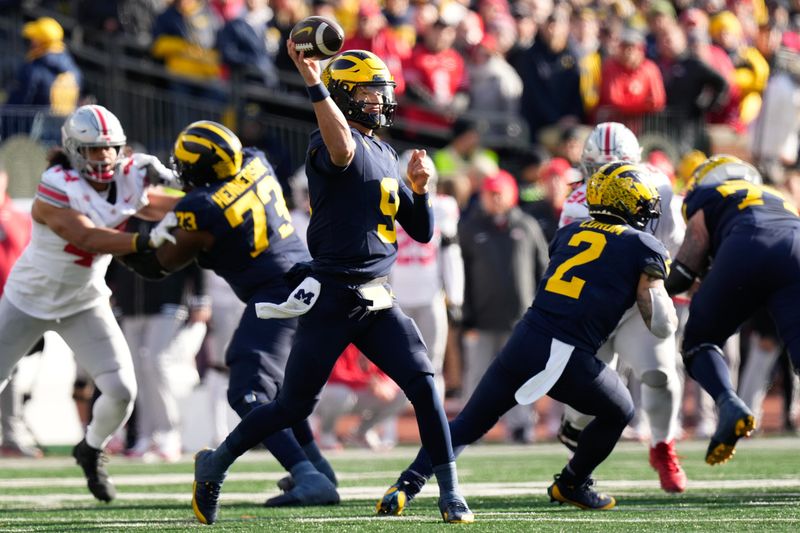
(206, 152)
(349, 70)
(609, 141)
(621, 192)
(92, 126)
(720, 168)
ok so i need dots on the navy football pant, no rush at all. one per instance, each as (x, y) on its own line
(586, 384)
(751, 270)
(388, 338)
(257, 357)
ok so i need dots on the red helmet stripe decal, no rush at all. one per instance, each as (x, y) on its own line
(607, 142)
(101, 120)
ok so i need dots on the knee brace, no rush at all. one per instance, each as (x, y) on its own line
(689, 354)
(655, 378)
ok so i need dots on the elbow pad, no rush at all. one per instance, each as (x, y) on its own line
(664, 321)
(680, 279)
(145, 264)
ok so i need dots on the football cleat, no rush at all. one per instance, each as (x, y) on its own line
(312, 489)
(735, 421)
(393, 502)
(205, 490)
(400, 494)
(665, 461)
(568, 435)
(455, 511)
(579, 495)
(92, 461)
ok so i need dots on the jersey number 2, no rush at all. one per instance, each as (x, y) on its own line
(573, 287)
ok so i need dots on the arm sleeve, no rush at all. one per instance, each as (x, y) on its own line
(415, 214)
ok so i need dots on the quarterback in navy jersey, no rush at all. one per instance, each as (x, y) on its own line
(234, 220)
(598, 269)
(750, 236)
(342, 295)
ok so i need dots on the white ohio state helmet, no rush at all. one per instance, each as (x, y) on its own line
(92, 126)
(609, 141)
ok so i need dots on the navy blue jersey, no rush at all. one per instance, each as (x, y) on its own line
(254, 240)
(592, 279)
(738, 204)
(353, 209)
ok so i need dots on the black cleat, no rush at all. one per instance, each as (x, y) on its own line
(455, 511)
(311, 489)
(205, 490)
(735, 421)
(400, 494)
(568, 435)
(579, 495)
(93, 461)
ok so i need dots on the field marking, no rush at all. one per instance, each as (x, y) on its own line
(537, 489)
(476, 488)
(408, 452)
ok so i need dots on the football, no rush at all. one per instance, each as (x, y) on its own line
(318, 37)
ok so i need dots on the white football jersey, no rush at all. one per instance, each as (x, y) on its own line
(421, 271)
(54, 278)
(669, 228)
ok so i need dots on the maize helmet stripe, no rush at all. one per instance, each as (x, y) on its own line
(619, 170)
(703, 170)
(227, 146)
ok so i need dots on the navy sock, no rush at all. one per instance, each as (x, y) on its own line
(708, 368)
(447, 477)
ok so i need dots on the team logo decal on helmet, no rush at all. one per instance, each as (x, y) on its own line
(359, 68)
(609, 141)
(721, 168)
(620, 191)
(206, 152)
(92, 126)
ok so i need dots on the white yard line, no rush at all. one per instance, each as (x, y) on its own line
(536, 489)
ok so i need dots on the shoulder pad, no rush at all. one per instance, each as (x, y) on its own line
(652, 243)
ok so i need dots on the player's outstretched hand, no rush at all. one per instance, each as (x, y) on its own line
(419, 171)
(163, 231)
(309, 68)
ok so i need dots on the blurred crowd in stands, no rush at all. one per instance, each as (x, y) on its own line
(719, 74)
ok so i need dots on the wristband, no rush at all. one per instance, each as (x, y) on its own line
(141, 241)
(317, 93)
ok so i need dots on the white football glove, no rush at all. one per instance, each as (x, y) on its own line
(157, 172)
(161, 232)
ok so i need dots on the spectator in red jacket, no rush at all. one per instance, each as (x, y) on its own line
(435, 76)
(356, 385)
(631, 84)
(374, 34)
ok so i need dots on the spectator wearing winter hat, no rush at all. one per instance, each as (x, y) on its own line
(505, 255)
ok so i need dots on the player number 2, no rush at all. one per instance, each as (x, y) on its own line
(573, 287)
(389, 206)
